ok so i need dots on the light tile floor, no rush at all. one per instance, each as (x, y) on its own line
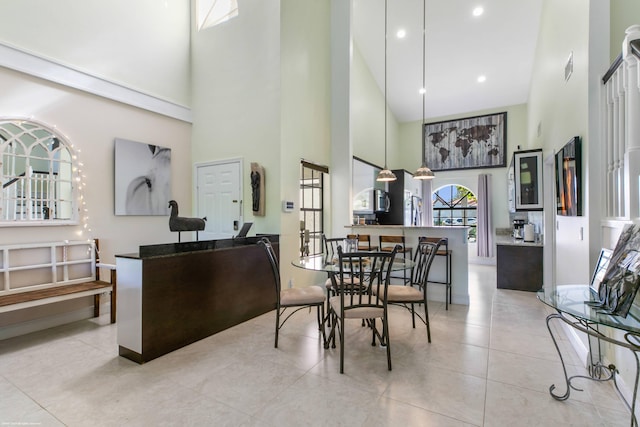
(489, 364)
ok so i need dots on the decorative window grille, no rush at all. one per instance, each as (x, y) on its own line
(311, 207)
(37, 173)
(455, 205)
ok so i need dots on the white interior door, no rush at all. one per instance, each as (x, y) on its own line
(218, 187)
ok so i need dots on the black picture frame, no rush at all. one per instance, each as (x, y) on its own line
(468, 143)
(528, 180)
(568, 164)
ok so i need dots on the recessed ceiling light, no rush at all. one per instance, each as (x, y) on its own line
(482, 79)
(478, 11)
(401, 33)
(422, 91)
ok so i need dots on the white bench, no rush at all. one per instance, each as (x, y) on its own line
(34, 274)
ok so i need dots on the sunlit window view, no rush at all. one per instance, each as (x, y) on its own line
(455, 205)
(311, 208)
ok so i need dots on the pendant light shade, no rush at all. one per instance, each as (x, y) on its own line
(385, 174)
(423, 171)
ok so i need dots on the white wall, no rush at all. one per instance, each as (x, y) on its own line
(558, 110)
(143, 44)
(262, 85)
(624, 13)
(367, 118)
(237, 97)
(305, 120)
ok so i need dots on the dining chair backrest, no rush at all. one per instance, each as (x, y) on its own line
(273, 260)
(443, 241)
(372, 269)
(331, 246)
(423, 259)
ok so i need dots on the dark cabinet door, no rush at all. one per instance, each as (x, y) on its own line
(519, 267)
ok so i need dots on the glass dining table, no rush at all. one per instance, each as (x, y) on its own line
(330, 266)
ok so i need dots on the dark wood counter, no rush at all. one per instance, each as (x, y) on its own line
(173, 295)
(519, 267)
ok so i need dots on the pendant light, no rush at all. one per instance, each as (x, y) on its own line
(423, 171)
(385, 174)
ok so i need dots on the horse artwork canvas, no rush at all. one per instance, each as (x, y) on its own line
(142, 178)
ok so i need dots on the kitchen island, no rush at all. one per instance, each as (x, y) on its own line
(457, 236)
(171, 295)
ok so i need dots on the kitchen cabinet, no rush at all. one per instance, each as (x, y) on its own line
(519, 266)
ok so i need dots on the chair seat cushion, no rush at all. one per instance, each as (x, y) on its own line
(329, 284)
(400, 293)
(301, 296)
(358, 312)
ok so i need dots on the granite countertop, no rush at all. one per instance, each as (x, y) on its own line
(509, 240)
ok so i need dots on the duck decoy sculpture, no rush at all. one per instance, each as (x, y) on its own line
(179, 223)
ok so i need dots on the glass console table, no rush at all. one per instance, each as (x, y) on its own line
(569, 302)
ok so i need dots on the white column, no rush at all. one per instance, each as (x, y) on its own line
(341, 149)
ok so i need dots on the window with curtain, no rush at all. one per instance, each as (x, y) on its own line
(455, 205)
(311, 207)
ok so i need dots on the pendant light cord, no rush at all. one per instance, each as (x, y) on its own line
(424, 82)
(385, 84)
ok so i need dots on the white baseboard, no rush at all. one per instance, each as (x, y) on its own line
(43, 323)
(576, 342)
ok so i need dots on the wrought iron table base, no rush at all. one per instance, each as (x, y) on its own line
(598, 371)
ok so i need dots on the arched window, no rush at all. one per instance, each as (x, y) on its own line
(455, 205)
(37, 172)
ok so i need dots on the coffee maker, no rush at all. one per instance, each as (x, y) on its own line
(518, 228)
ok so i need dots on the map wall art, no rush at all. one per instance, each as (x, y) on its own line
(470, 143)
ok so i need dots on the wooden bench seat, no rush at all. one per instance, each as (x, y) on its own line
(57, 289)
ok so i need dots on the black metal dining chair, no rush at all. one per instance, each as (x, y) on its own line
(293, 298)
(355, 300)
(416, 291)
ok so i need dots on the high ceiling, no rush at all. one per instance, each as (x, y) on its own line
(499, 44)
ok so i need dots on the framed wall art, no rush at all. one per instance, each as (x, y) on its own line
(142, 178)
(528, 180)
(469, 143)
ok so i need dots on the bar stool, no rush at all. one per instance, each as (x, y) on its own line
(387, 243)
(445, 252)
(364, 242)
